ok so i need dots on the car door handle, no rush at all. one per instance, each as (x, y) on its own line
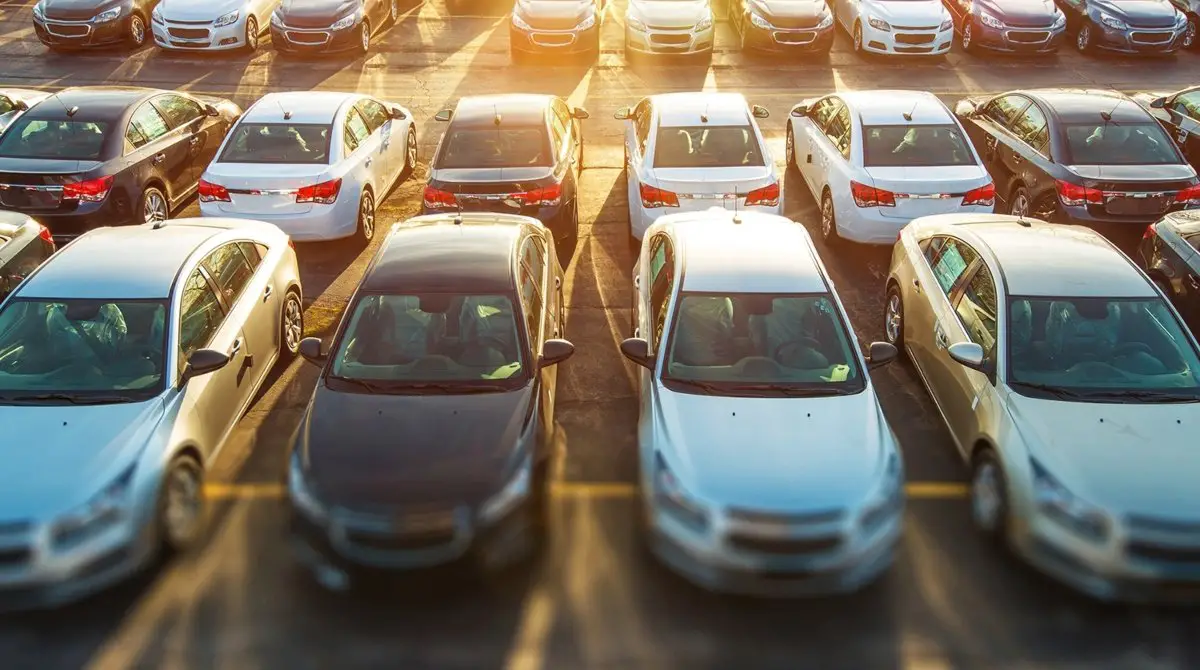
(237, 346)
(159, 158)
(267, 293)
(917, 285)
(939, 337)
(368, 163)
(194, 141)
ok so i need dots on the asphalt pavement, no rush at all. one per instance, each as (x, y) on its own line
(591, 599)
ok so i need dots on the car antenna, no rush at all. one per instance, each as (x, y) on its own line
(704, 115)
(1108, 116)
(287, 115)
(909, 114)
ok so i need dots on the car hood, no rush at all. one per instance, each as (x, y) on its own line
(57, 457)
(1128, 458)
(368, 450)
(791, 9)
(556, 9)
(317, 9)
(669, 13)
(909, 13)
(197, 10)
(76, 10)
(1020, 12)
(774, 453)
(1141, 13)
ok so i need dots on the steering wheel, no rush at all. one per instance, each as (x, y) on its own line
(1097, 370)
(758, 366)
(1128, 348)
(803, 341)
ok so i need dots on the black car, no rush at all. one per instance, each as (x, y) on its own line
(1126, 26)
(512, 154)
(24, 245)
(74, 24)
(428, 438)
(1179, 113)
(328, 26)
(1170, 253)
(782, 25)
(1078, 156)
(103, 156)
(556, 27)
(1010, 26)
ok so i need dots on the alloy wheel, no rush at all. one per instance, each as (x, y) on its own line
(966, 36)
(827, 223)
(366, 37)
(1020, 205)
(790, 151)
(1084, 39)
(1189, 34)
(251, 34)
(892, 319)
(366, 218)
(293, 323)
(394, 12)
(154, 207)
(137, 30)
(410, 159)
(182, 505)
(858, 37)
(986, 500)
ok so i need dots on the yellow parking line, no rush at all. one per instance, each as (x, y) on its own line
(936, 490)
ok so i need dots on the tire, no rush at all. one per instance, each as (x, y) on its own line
(364, 38)
(989, 497)
(893, 318)
(1019, 203)
(571, 234)
(137, 31)
(364, 231)
(180, 514)
(1189, 34)
(410, 154)
(966, 38)
(153, 205)
(291, 326)
(251, 36)
(829, 229)
(790, 150)
(1083, 39)
(858, 37)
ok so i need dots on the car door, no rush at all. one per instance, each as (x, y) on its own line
(835, 150)
(1024, 154)
(637, 139)
(803, 133)
(389, 152)
(250, 307)
(150, 143)
(188, 118)
(532, 279)
(358, 151)
(936, 273)
(990, 131)
(1183, 112)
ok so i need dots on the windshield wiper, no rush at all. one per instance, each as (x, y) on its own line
(1139, 394)
(68, 397)
(766, 390)
(468, 387)
(368, 386)
(1056, 391)
(710, 389)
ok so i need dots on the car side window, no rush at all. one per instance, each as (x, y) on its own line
(949, 261)
(230, 270)
(373, 114)
(1004, 109)
(354, 131)
(252, 252)
(822, 110)
(1187, 104)
(533, 270)
(662, 280)
(977, 308)
(641, 124)
(145, 126)
(1031, 127)
(558, 133)
(839, 130)
(1194, 240)
(562, 114)
(200, 315)
(178, 110)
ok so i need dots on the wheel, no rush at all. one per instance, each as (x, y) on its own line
(366, 219)
(1018, 202)
(153, 205)
(1189, 34)
(966, 38)
(137, 31)
(858, 38)
(572, 232)
(539, 496)
(989, 497)
(364, 38)
(291, 326)
(393, 12)
(829, 229)
(893, 318)
(790, 150)
(180, 515)
(1083, 39)
(410, 154)
(252, 33)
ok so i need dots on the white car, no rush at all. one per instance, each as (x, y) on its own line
(765, 462)
(913, 27)
(875, 160)
(213, 25)
(692, 151)
(314, 163)
(668, 26)
(14, 102)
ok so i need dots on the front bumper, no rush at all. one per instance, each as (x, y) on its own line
(669, 41)
(79, 34)
(314, 40)
(1138, 40)
(199, 37)
(789, 40)
(1018, 40)
(320, 223)
(907, 41)
(555, 41)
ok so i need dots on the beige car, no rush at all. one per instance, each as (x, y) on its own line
(1069, 385)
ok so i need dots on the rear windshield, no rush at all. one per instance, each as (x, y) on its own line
(66, 140)
(915, 146)
(1120, 144)
(707, 146)
(306, 143)
(517, 146)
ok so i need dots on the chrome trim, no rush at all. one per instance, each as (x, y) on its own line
(323, 33)
(1009, 33)
(1170, 35)
(33, 187)
(48, 23)
(801, 32)
(262, 191)
(572, 37)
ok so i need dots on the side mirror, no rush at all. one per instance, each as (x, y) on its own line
(443, 115)
(966, 108)
(800, 111)
(623, 114)
(638, 350)
(555, 352)
(396, 113)
(1158, 103)
(212, 110)
(311, 350)
(968, 354)
(580, 113)
(759, 112)
(202, 362)
(881, 353)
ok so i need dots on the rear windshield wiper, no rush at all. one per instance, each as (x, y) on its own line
(1139, 394)
(68, 397)
(460, 387)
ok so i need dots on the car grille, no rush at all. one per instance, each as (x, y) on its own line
(307, 38)
(188, 33)
(552, 39)
(1149, 524)
(903, 38)
(784, 546)
(403, 542)
(68, 30)
(1024, 37)
(795, 519)
(794, 38)
(1150, 38)
(673, 39)
(896, 27)
(1118, 205)
(550, 24)
(793, 22)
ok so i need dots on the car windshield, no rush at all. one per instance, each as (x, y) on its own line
(495, 148)
(82, 350)
(469, 341)
(1120, 144)
(760, 344)
(707, 146)
(915, 146)
(1100, 347)
(64, 140)
(298, 143)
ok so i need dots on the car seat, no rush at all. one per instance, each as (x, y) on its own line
(790, 322)
(487, 330)
(705, 332)
(1071, 337)
(674, 147)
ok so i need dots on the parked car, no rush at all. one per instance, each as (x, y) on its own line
(14, 102)
(451, 340)
(130, 376)
(1125, 26)
(1191, 10)
(912, 27)
(104, 155)
(748, 371)
(1179, 113)
(790, 26)
(317, 164)
(75, 24)
(876, 160)
(556, 28)
(1170, 253)
(24, 245)
(330, 26)
(1078, 156)
(1069, 385)
(510, 154)
(221, 26)
(692, 151)
(668, 27)
(1020, 26)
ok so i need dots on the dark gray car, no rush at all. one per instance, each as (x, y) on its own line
(1013, 26)
(74, 24)
(1170, 253)
(1125, 26)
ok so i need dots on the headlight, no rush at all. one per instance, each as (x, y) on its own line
(107, 15)
(1180, 20)
(1059, 504)
(704, 24)
(520, 22)
(948, 24)
(635, 23)
(226, 19)
(670, 497)
(344, 23)
(1113, 22)
(37, 11)
(890, 499)
(990, 21)
(1060, 20)
(276, 19)
(156, 16)
(512, 495)
(825, 22)
(98, 514)
(878, 24)
(760, 22)
(587, 23)
(304, 500)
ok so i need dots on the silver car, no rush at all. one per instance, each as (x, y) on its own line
(1070, 386)
(14, 102)
(125, 361)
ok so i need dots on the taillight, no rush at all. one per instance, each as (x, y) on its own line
(1074, 195)
(436, 198)
(1188, 196)
(869, 196)
(92, 190)
(984, 195)
(44, 233)
(1149, 232)
(654, 197)
(210, 192)
(547, 196)
(324, 193)
(767, 196)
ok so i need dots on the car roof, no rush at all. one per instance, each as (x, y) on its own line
(763, 253)
(433, 253)
(1085, 105)
(1184, 222)
(889, 107)
(305, 107)
(514, 109)
(95, 103)
(685, 109)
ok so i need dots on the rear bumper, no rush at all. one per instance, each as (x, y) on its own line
(556, 218)
(1081, 215)
(866, 225)
(321, 222)
(66, 226)
(642, 218)
(936, 42)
